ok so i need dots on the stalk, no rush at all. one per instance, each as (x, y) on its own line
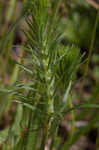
(50, 92)
(70, 138)
(10, 16)
(45, 135)
(10, 11)
(53, 139)
(90, 53)
(30, 125)
(25, 140)
(73, 120)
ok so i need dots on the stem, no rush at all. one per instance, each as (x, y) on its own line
(50, 100)
(69, 141)
(45, 134)
(73, 119)
(10, 15)
(14, 78)
(90, 53)
(53, 139)
(46, 131)
(32, 136)
(25, 142)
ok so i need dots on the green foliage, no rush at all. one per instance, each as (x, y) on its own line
(42, 80)
(79, 23)
(51, 65)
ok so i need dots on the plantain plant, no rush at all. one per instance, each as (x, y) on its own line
(49, 70)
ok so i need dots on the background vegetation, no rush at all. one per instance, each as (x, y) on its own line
(49, 75)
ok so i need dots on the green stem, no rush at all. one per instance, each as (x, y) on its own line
(10, 10)
(73, 119)
(90, 53)
(69, 141)
(33, 136)
(46, 131)
(53, 138)
(25, 141)
(45, 135)
(50, 100)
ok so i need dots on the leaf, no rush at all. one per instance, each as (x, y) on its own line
(24, 68)
(27, 105)
(91, 106)
(64, 102)
(3, 90)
